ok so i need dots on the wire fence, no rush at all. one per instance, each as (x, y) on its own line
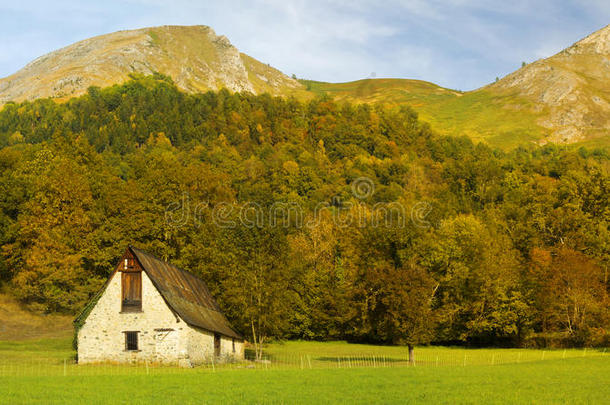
(39, 365)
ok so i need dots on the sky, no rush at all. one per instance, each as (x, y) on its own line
(458, 44)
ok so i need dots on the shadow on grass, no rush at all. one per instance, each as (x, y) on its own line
(355, 359)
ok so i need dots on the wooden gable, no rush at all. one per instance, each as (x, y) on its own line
(131, 282)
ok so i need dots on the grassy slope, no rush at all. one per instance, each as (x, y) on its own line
(567, 381)
(17, 323)
(502, 120)
(497, 119)
(256, 68)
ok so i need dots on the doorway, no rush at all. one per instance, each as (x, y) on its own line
(216, 345)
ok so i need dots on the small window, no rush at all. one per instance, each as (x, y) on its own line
(233, 343)
(131, 340)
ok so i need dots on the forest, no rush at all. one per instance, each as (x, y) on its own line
(489, 247)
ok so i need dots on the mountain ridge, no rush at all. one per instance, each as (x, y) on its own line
(572, 85)
(562, 99)
(194, 56)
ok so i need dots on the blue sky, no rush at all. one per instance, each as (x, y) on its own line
(460, 44)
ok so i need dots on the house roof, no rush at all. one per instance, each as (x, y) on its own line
(185, 294)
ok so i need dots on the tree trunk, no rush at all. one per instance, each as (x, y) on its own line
(255, 342)
(411, 355)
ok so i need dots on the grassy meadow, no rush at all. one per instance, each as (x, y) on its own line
(579, 381)
(497, 119)
(42, 371)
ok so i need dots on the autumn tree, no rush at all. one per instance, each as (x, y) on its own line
(511, 238)
(570, 293)
(53, 232)
(479, 293)
(257, 288)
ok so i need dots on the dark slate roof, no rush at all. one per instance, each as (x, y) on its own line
(186, 294)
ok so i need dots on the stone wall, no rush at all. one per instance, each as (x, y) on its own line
(226, 348)
(161, 336)
(200, 345)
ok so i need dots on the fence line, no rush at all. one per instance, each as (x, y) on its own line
(49, 366)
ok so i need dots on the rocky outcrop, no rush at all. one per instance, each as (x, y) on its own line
(572, 88)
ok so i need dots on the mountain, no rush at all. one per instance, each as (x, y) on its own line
(195, 57)
(562, 99)
(572, 88)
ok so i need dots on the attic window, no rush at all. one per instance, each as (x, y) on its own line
(131, 294)
(131, 341)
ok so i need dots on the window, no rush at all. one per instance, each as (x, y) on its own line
(131, 341)
(131, 297)
(216, 345)
(233, 343)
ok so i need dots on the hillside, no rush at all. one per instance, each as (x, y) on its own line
(195, 57)
(572, 88)
(562, 99)
(481, 115)
(380, 209)
(16, 323)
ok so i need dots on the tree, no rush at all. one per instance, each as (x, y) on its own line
(393, 295)
(53, 233)
(145, 163)
(479, 295)
(570, 292)
(257, 288)
(395, 305)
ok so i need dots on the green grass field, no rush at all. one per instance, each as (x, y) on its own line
(42, 371)
(579, 380)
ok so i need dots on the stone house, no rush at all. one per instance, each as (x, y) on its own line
(152, 311)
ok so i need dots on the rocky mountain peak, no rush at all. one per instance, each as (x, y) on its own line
(571, 89)
(195, 57)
